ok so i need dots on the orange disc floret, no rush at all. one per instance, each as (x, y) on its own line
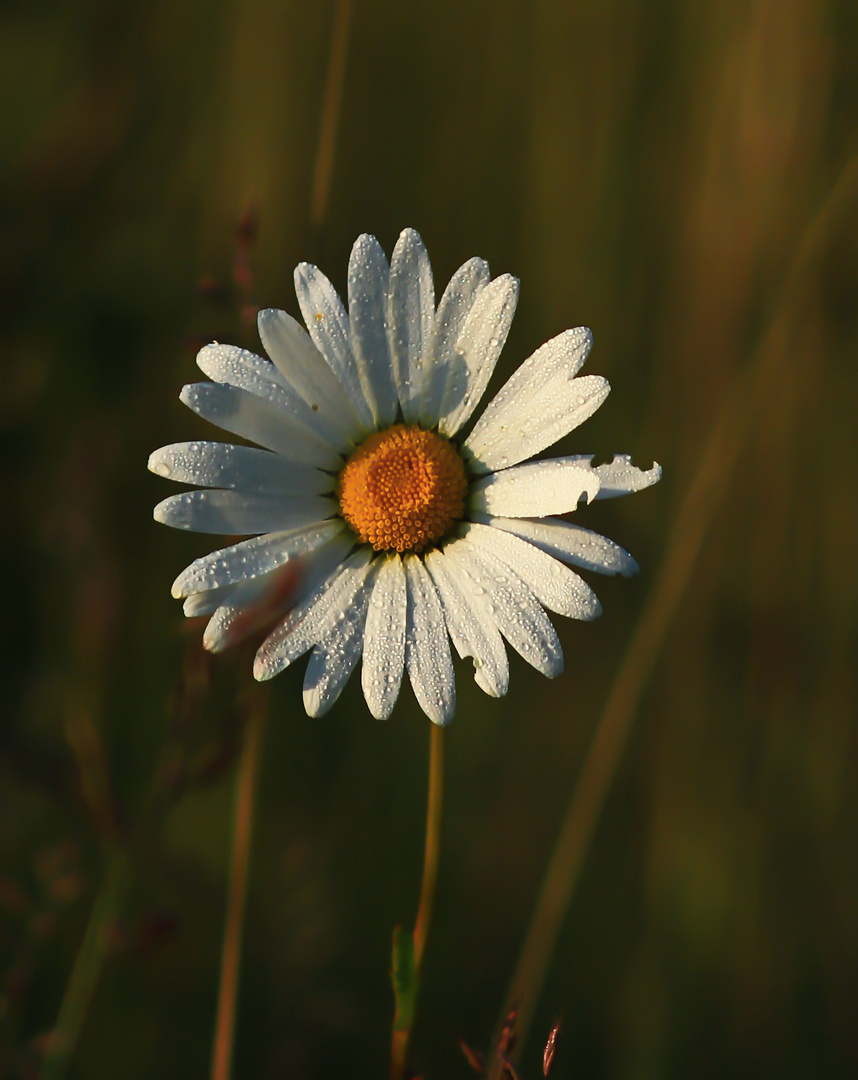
(403, 489)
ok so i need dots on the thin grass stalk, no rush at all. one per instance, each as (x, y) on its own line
(690, 530)
(431, 856)
(331, 109)
(245, 801)
(87, 967)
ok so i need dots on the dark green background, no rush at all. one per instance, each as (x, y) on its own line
(646, 167)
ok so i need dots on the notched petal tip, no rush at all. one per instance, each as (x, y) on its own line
(365, 240)
(409, 236)
(487, 686)
(302, 275)
(508, 281)
(582, 336)
(266, 315)
(188, 395)
(621, 477)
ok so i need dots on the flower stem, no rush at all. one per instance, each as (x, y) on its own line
(433, 843)
(245, 797)
(407, 995)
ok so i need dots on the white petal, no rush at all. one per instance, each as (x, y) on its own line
(252, 606)
(368, 279)
(253, 558)
(410, 320)
(499, 595)
(313, 618)
(335, 657)
(258, 420)
(453, 310)
(221, 629)
(472, 633)
(328, 323)
(554, 586)
(571, 543)
(206, 603)
(384, 638)
(477, 350)
(555, 486)
(427, 646)
(234, 513)
(307, 371)
(247, 371)
(221, 465)
(620, 477)
(539, 404)
(523, 430)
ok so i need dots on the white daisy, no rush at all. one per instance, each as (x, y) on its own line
(400, 531)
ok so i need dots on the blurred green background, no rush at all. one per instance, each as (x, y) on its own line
(646, 167)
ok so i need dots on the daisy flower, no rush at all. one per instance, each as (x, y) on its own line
(410, 527)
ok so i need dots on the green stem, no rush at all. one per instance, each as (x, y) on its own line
(407, 982)
(245, 798)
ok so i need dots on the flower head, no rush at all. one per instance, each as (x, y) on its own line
(411, 527)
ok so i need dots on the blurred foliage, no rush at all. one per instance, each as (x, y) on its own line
(647, 167)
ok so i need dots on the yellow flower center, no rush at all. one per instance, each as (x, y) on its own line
(403, 488)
